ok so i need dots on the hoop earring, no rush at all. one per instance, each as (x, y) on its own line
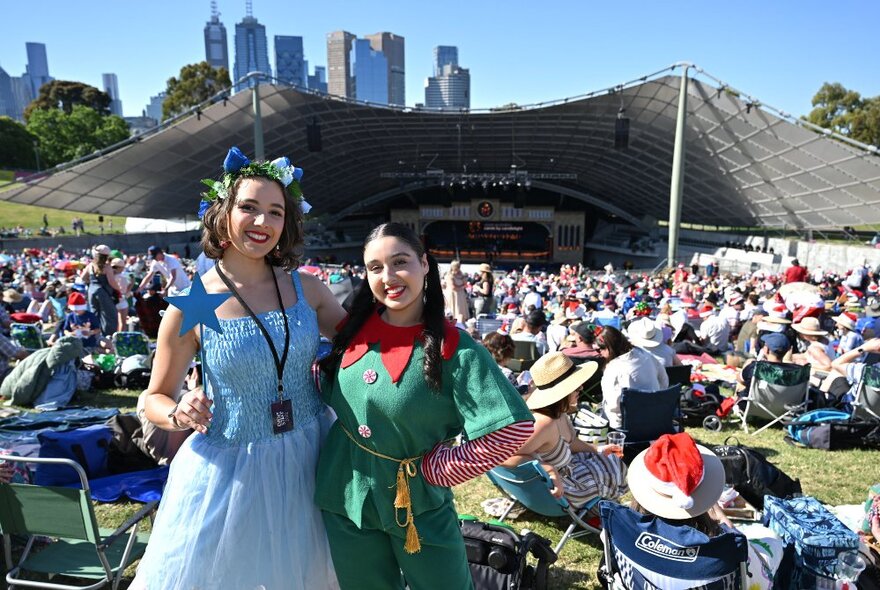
(425, 291)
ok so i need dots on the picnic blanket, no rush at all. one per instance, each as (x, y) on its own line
(19, 433)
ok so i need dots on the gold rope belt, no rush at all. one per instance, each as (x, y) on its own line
(406, 469)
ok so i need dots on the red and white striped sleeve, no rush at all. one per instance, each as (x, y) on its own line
(445, 466)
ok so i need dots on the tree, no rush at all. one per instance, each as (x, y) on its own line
(847, 113)
(65, 95)
(17, 146)
(196, 84)
(64, 137)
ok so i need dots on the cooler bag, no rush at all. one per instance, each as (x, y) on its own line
(816, 535)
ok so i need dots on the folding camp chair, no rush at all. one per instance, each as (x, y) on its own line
(778, 391)
(648, 415)
(867, 402)
(487, 325)
(529, 485)
(644, 552)
(680, 374)
(525, 353)
(131, 343)
(28, 336)
(81, 549)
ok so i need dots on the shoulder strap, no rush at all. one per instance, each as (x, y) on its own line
(297, 284)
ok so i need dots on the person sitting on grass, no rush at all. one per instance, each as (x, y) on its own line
(84, 324)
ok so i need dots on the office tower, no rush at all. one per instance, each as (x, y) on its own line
(111, 87)
(338, 63)
(392, 46)
(251, 50)
(154, 109)
(22, 94)
(290, 66)
(369, 73)
(318, 80)
(37, 67)
(8, 108)
(444, 55)
(216, 49)
(450, 90)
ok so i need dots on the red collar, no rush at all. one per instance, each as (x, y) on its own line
(396, 344)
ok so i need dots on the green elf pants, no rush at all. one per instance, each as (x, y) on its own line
(371, 558)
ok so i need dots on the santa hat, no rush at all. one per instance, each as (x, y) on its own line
(77, 302)
(675, 478)
(735, 299)
(707, 311)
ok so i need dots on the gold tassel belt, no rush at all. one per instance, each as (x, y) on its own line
(406, 469)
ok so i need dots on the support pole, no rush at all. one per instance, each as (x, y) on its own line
(259, 151)
(676, 185)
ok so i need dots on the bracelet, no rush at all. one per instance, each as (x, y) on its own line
(173, 418)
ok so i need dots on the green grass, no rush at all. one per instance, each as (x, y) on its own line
(31, 217)
(841, 477)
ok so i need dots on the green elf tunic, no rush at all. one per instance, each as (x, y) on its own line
(385, 408)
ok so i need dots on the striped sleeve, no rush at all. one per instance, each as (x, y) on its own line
(445, 466)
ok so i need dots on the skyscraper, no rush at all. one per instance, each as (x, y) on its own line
(450, 90)
(251, 49)
(318, 80)
(154, 109)
(290, 66)
(339, 63)
(392, 46)
(369, 73)
(22, 94)
(37, 67)
(8, 108)
(216, 49)
(111, 87)
(444, 55)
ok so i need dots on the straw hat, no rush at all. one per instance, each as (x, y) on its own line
(644, 333)
(485, 268)
(101, 249)
(559, 317)
(676, 478)
(11, 296)
(846, 319)
(809, 325)
(555, 376)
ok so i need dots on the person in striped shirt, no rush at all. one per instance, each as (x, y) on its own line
(403, 384)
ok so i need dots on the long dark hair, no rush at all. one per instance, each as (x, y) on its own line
(363, 306)
(614, 340)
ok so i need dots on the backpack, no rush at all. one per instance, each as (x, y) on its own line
(498, 556)
(831, 430)
(752, 475)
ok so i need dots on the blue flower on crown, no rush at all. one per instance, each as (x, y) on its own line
(235, 160)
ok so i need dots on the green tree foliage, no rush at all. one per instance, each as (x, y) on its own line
(16, 145)
(196, 84)
(847, 113)
(64, 95)
(64, 137)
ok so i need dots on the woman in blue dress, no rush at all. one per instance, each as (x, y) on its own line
(238, 510)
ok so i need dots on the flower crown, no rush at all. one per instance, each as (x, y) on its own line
(237, 165)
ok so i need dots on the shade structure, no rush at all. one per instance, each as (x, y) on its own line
(746, 165)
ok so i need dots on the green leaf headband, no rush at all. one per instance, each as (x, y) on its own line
(237, 165)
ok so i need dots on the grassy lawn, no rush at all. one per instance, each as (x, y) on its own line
(31, 217)
(840, 477)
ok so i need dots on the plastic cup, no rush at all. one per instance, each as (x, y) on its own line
(849, 566)
(617, 440)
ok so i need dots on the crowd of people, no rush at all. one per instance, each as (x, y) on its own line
(359, 497)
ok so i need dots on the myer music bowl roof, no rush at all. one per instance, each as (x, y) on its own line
(746, 164)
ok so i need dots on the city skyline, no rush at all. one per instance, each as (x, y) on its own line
(521, 54)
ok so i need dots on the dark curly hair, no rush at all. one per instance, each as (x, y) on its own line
(363, 306)
(500, 345)
(215, 227)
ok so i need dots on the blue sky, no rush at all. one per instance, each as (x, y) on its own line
(778, 51)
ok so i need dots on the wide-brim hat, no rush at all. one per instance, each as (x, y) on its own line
(809, 325)
(705, 495)
(555, 377)
(843, 320)
(101, 249)
(559, 317)
(485, 268)
(11, 296)
(644, 333)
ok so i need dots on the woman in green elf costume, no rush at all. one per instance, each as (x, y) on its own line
(403, 383)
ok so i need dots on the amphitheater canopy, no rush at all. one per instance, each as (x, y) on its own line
(745, 164)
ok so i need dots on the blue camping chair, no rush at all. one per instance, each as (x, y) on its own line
(643, 552)
(28, 336)
(131, 343)
(648, 415)
(529, 485)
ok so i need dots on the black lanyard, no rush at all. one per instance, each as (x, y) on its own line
(279, 364)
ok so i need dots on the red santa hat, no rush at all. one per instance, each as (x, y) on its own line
(77, 302)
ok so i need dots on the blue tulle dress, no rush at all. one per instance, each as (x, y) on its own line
(238, 509)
